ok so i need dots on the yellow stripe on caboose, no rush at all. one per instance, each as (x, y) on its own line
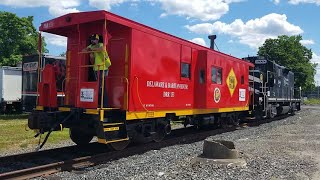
(65, 109)
(158, 114)
(39, 108)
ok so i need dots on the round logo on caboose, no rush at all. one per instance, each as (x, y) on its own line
(216, 95)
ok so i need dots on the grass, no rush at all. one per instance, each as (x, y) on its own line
(15, 134)
(312, 101)
(13, 116)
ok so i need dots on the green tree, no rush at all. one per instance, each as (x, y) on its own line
(289, 52)
(18, 38)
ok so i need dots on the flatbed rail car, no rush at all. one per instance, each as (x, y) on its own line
(155, 78)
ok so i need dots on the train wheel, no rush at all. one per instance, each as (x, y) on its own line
(224, 123)
(272, 111)
(79, 137)
(118, 146)
(163, 129)
(271, 115)
(235, 120)
(292, 111)
(159, 136)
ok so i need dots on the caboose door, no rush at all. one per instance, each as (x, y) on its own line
(117, 80)
(200, 88)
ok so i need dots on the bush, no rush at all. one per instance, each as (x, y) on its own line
(312, 101)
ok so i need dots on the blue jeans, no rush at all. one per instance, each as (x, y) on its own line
(105, 97)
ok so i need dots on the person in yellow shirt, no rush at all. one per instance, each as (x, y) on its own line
(101, 63)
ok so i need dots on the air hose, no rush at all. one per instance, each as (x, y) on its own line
(50, 131)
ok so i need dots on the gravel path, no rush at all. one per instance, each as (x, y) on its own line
(284, 149)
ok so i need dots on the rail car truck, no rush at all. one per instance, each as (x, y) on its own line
(155, 78)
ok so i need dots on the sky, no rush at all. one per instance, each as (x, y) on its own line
(241, 26)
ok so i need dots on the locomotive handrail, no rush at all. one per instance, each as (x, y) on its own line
(266, 100)
(253, 92)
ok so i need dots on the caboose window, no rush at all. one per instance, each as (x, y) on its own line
(185, 70)
(219, 76)
(216, 75)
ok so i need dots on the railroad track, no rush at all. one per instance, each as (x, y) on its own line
(75, 157)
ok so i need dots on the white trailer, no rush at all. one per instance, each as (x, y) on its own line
(10, 86)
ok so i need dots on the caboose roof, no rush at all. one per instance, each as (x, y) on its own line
(62, 24)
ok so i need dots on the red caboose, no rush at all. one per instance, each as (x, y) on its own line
(155, 78)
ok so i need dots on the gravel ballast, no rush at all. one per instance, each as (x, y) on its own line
(283, 149)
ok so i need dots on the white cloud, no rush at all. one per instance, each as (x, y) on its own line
(254, 32)
(296, 2)
(307, 42)
(204, 28)
(56, 7)
(276, 1)
(199, 41)
(200, 9)
(316, 59)
(59, 11)
(25, 3)
(55, 39)
(107, 4)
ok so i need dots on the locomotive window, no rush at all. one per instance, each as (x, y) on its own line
(242, 79)
(185, 70)
(216, 75)
(202, 77)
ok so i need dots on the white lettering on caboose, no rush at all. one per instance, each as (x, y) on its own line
(166, 85)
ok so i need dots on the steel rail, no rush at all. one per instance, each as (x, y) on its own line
(48, 169)
(178, 137)
(74, 164)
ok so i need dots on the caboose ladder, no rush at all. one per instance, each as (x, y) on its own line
(114, 125)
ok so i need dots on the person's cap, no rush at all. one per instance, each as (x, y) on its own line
(94, 36)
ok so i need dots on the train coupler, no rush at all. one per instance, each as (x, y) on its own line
(46, 121)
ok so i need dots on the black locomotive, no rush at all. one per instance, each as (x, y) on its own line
(272, 89)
